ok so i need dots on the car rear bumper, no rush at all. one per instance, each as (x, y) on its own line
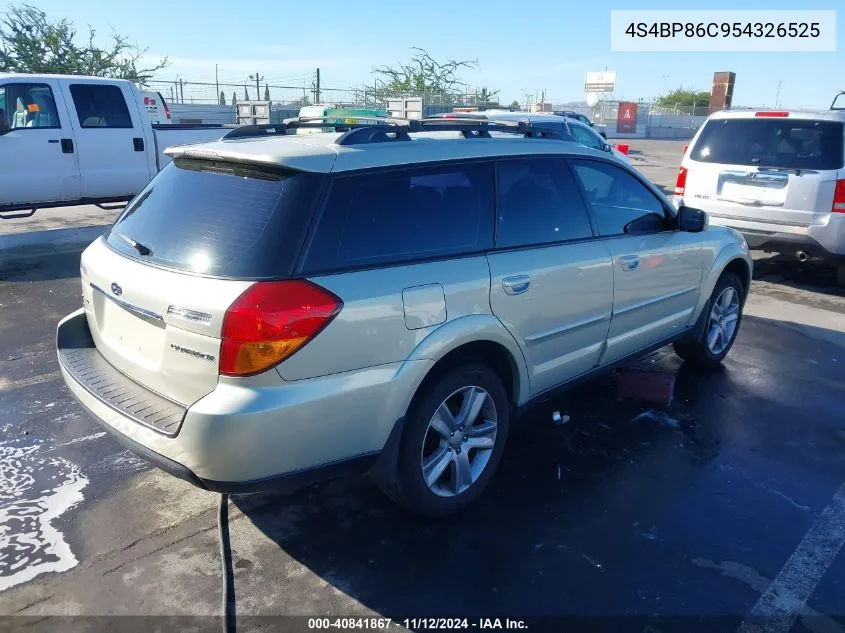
(789, 244)
(246, 437)
(825, 241)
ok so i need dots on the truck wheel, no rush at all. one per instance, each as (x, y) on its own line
(452, 442)
(722, 325)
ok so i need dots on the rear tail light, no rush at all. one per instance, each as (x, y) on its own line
(166, 109)
(681, 182)
(839, 197)
(270, 322)
(772, 113)
(686, 147)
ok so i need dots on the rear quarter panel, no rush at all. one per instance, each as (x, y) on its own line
(374, 327)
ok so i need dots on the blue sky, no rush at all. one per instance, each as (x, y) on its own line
(520, 47)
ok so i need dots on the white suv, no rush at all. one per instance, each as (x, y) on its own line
(776, 176)
(272, 311)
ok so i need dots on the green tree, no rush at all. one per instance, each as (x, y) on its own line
(266, 92)
(246, 93)
(684, 97)
(514, 106)
(30, 43)
(222, 100)
(234, 99)
(422, 75)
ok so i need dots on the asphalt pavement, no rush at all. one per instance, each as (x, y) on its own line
(725, 507)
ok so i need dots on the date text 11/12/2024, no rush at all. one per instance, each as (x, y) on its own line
(416, 624)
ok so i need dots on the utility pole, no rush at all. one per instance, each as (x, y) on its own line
(777, 98)
(216, 82)
(181, 91)
(258, 78)
(317, 88)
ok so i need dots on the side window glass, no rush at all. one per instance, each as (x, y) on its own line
(413, 214)
(538, 202)
(27, 106)
(100, 106)
(586, 137)
(617, 198)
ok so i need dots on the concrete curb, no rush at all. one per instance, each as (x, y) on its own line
(32, 244)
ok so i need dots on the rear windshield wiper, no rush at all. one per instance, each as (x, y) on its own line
(142, 249)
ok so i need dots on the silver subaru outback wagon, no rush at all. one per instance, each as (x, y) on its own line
(270, 312)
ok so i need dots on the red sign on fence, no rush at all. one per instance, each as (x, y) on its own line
(626, 119)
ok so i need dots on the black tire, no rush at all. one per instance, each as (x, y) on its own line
(697, 351)
(407, 486)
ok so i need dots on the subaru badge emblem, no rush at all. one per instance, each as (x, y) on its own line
(116, 289)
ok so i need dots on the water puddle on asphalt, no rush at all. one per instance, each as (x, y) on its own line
(35, 489)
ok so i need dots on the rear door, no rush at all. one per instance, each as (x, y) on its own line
(770, 169)
(110, 138)
(157, 286)
(38, 161)
(656, 270)
(551, 284)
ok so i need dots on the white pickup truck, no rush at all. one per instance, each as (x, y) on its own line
(67, 139)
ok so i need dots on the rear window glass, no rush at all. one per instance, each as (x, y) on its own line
(402, 216)
(771, 142)
(219, 219)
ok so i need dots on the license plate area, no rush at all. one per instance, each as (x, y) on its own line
(754, 188)
(135, 333)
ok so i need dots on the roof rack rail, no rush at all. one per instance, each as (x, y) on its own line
(338, 123)
(360, 130)
(470, 128)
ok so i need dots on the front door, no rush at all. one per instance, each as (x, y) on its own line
(110, 139)
(551, 284)
(38, 159)
(656, 270)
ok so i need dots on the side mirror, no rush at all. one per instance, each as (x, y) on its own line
(692, 220)
(607, 148)
(4, 122)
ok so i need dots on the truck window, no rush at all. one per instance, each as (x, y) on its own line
(100, 106)
(28, 105)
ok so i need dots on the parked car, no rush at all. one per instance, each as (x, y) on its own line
(337, 115)
(600, 128)
(66, 139)
(577, 131)
(776, 176)
(273, 311)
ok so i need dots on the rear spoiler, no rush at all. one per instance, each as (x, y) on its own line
(833, 105)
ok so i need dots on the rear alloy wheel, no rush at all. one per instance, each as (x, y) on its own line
(720, 330)
(452, 442)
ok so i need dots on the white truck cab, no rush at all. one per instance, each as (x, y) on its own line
(66, 139)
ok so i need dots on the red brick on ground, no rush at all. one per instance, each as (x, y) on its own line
(649, 386)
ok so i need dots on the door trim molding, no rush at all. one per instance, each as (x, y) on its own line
(654, 300)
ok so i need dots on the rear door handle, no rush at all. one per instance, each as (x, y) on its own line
(67, 145)
(629, 262)
(138, 144)
(517, 284)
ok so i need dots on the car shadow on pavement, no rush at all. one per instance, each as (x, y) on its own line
(558, 531)
(812, 276)
(43, 267)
